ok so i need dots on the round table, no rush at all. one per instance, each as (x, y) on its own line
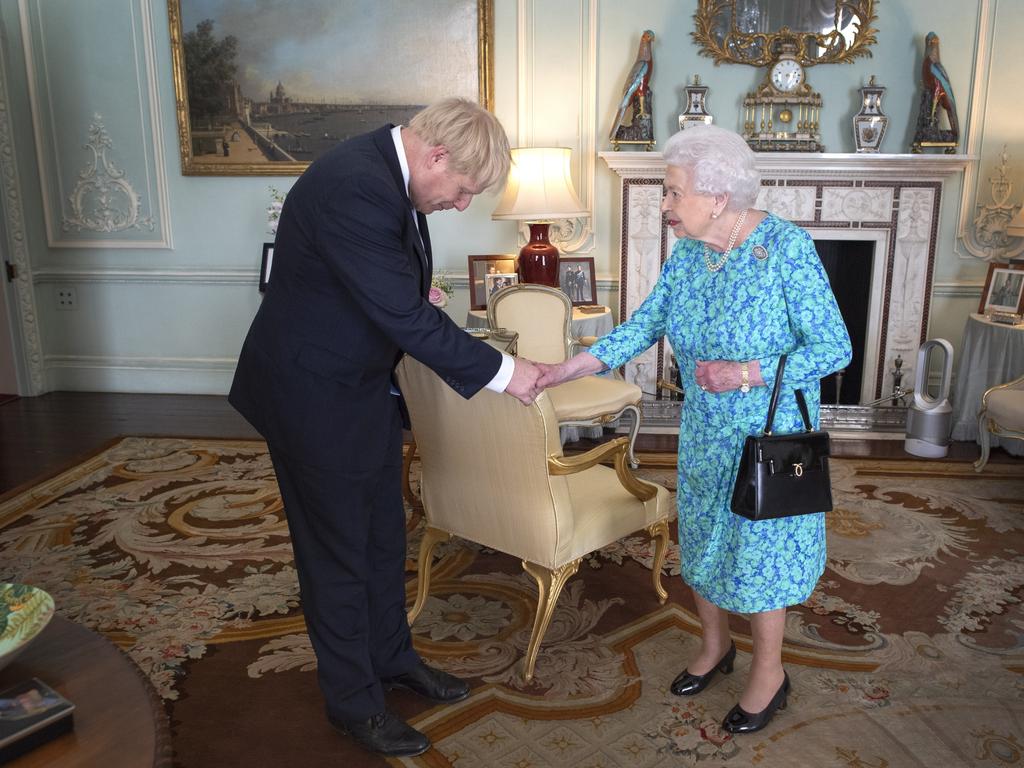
(990, 354)
(119, 719)
(583, 323)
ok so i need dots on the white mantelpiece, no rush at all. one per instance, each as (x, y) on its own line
(891, 199)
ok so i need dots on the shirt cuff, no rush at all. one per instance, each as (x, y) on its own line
(504, 374)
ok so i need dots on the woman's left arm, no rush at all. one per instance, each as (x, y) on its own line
(822, 341)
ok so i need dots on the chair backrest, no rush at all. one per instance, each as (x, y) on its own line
(484, 466)
(542, 316)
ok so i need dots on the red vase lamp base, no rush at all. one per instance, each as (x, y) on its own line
(538, 259)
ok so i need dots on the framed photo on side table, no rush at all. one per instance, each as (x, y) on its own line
(1004, 289)
(265, 264)
(480, 268)
(576, 279)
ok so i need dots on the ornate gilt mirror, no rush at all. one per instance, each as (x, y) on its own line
(753, 31)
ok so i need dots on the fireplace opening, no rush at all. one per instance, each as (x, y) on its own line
(848, 264)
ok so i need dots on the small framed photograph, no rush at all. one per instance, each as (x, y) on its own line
(482, 267)
(494, 282)
(576, 279)
(265, 264)
(1004, 289)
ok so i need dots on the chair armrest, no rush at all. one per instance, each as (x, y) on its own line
(1017, 383)
(618, 449)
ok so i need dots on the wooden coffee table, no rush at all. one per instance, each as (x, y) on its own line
(119, 719)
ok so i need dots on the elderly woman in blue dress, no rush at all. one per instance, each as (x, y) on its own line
(742, 288)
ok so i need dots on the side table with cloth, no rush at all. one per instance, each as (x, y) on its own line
(991, 353)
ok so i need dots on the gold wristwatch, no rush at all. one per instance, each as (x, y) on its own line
(744, 377)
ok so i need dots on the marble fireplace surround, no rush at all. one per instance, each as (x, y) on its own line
(893, 200)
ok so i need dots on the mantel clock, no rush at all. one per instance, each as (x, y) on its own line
(783, 113)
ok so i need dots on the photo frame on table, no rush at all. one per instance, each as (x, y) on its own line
(479, 268)
(257, 96)
(1004, 289)
(265, 264)
(577, 280)
(495, 282)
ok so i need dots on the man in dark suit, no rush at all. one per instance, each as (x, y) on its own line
(352, 268)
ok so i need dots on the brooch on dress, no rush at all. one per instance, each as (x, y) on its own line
(760, 252)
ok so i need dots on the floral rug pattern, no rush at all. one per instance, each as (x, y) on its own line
(909, 651)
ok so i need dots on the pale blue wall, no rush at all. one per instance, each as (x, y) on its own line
(172, 319)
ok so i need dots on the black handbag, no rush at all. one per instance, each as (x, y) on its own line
(783, 475)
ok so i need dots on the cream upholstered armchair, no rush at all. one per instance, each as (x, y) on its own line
(542, 317)
(1002, 415)
(493, 473)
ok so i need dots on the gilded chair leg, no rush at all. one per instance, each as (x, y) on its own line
(431, 538)
(659, 531)
(549, 587)
(634, 430)
(410, 498)
(983, 433)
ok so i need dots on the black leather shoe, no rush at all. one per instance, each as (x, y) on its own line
(687, 684)
(386, 734)
(433, 684)
(740, 721)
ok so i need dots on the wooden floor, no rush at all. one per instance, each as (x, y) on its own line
(40, 436)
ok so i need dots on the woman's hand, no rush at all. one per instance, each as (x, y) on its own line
(575, 367)
(726, 375)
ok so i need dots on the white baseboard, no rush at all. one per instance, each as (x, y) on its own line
(181, 376)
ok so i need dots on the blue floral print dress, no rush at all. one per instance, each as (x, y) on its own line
(771, 297)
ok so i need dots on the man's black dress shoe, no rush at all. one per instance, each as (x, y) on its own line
(386, 734)
(433, 684)
(687, 684)
(740, 721)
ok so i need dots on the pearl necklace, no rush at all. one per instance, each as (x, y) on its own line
(716, 266)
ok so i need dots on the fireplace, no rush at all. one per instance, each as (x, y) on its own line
(877, 212)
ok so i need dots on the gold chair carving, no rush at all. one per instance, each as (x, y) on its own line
(542, 317)
(1002, 415)
(493, 472)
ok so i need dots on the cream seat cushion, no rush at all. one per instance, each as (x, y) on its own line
(582, 398)
(604, 511)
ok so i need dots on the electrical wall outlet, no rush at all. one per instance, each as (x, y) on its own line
(67, 297)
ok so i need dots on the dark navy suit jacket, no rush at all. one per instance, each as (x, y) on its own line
(346, 298)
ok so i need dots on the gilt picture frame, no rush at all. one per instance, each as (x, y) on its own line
(1004, 289)
(269, 95)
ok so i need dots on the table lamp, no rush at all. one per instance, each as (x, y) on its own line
(539, 190)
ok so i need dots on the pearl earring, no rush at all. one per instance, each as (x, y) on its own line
(714, 215)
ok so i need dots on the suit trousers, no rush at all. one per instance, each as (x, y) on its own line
(348, 535)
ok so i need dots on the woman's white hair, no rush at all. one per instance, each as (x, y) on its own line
(718, 161)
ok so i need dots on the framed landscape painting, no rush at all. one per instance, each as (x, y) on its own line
(265, 88)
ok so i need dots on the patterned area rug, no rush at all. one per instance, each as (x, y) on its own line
(908, 653)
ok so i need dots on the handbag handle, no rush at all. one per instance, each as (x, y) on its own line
(773, 403)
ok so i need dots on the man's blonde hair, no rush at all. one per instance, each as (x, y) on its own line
(476, 143)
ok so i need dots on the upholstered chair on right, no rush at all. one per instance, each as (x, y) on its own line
(1002, 415)
(542, 317)
(493, 472)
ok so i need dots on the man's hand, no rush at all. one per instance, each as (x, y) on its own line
(523, 385)
(551, 375)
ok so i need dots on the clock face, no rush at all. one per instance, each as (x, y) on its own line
(787, 75)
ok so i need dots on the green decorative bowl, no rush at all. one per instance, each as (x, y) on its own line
(24, 612)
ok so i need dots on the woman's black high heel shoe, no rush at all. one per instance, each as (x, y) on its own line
(687, 684)
(740, 721)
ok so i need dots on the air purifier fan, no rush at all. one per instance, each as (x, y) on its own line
(930, 419)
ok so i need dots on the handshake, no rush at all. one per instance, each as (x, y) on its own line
(529, 379)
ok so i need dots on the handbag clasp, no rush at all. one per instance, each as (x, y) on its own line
(798, 469)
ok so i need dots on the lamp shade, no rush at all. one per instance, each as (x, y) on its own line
(539, 187)
(1016, 227)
